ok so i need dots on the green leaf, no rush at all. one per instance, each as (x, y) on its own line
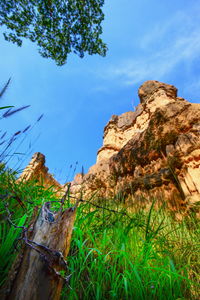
(4, 107)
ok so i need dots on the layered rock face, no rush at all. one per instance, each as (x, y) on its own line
(37, 170)
(152, 152)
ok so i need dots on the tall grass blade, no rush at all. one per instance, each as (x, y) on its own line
(5, 88)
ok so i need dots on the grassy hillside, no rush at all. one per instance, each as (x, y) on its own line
(147, 255)
(114, 254)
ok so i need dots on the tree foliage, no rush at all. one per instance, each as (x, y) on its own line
(59, 27)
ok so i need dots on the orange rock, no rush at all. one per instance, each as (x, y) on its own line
(151, 152)
(37, 170)
(148, 150)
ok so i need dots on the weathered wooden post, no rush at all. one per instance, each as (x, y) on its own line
(36, 275)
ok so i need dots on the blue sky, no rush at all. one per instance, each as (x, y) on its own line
(147, 40)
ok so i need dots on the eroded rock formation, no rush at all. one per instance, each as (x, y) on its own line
(152, 152)
(37, 170)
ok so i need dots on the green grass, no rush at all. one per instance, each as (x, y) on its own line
(142, 255)
(146, 256)
(21, 199)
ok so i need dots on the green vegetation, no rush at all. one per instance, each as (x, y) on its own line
(148, 255)
(18, 202)
(57, 27)
(114, 255)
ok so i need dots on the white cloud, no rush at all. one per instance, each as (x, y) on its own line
(166, 45)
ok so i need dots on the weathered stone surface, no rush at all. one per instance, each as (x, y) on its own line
(37, 170)
(151, 152)
(154, 151)
(152, 87)
(117, 132)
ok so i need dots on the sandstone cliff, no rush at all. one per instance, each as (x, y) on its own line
(36, 170)
(152, 152)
